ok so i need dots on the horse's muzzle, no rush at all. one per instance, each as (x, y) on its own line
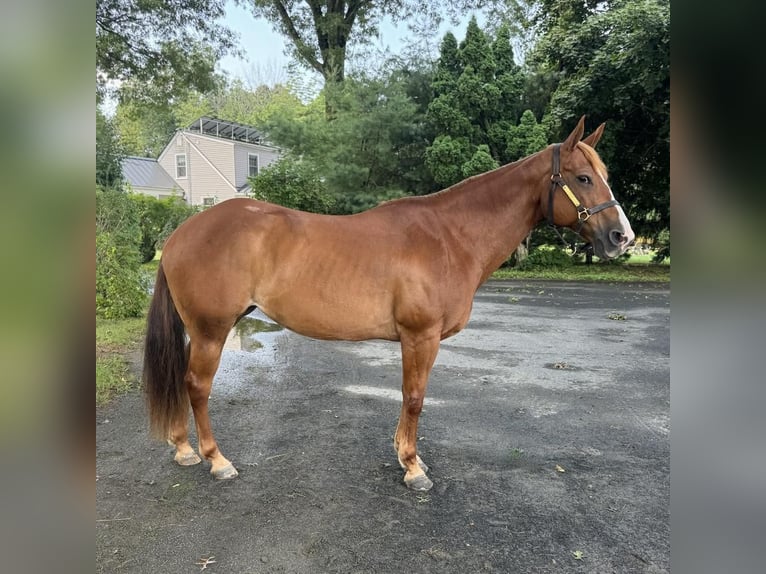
(614, 242)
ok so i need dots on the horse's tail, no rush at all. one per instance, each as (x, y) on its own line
(165, 362)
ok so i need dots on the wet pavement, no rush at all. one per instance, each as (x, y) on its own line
(546, 427)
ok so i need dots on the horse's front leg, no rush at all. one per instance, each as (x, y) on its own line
(418, 355)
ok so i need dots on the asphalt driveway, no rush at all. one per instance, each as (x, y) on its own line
(546, 429)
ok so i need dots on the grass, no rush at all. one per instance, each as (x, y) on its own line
(597, 272)
(115, 340)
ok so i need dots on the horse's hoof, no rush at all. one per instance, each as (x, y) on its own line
(188, 459)
(225, 473)
(420, 483)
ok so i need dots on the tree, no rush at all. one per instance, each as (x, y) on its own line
(372, 148)
(109, 152)
(172, 45)
(321, 32)
(526, 138)
(293, 183)
(612, 61)
(478, 90)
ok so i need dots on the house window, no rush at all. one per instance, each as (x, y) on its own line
(208, 201)
(181, 166)
(252, 165)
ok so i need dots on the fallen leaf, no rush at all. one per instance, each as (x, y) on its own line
(204, 562)
(578, 555)
(560, 468)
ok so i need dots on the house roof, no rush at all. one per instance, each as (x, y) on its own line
(226, 130)
(146, 172)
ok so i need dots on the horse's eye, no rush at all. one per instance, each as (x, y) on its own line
(584, 179)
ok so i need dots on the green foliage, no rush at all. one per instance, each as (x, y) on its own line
(172, 46)
(373, 144)
(115, 338)
(158, 218)
(595, 272)
(480, 162)
(662, 246)
(109, 152)
(144, 129)
(322, 33)
(526, 138)
(612, 61)
(120, 285)
(546, 256)
(478, 91)
(445, 159)
(292, 183)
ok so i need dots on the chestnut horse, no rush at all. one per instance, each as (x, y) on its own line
(406, 270)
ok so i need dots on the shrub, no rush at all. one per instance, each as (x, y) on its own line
(120, 286)
(158, 218)
(547, 256)
(292, 183)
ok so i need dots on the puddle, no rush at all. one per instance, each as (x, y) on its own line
(562, 366)
(251, 333)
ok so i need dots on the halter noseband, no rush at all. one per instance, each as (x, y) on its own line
(583, 213)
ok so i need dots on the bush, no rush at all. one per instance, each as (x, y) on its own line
(292, 183)
(547, 256)
(120, 286)
(158, 218)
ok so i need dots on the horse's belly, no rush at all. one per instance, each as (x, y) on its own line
(325, 318)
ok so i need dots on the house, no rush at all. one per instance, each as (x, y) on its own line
(206, 163)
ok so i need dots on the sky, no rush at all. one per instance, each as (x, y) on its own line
(264, 49)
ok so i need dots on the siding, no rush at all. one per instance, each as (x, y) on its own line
(206, 181)
(209, 161)
(167, 160)
(265, 157)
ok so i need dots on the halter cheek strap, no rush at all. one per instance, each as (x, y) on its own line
(583, 213)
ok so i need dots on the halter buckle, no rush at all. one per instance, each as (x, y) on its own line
(583, 214)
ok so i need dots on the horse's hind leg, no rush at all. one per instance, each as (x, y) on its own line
(179, 437)
(185, 455)
(204, 357)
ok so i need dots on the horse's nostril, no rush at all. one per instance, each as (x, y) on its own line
(617, 237)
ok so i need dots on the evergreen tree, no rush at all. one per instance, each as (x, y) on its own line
(475, 105)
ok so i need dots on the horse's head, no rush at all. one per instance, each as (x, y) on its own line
(580, 198)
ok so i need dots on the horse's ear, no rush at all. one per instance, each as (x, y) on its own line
(576, 135)
(593, 138)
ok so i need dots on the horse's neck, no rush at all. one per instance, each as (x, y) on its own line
(492, 213)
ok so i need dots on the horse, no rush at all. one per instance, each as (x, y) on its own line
(406, 270)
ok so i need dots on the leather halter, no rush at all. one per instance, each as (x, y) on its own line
(583, 213)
